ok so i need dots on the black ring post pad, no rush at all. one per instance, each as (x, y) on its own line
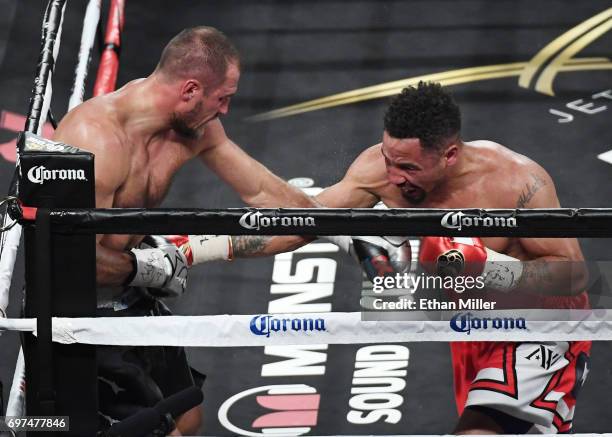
(64, 175)
(43, 289)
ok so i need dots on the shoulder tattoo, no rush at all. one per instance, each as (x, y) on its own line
(530, 190)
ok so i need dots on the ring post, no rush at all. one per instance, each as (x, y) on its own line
(61, 379)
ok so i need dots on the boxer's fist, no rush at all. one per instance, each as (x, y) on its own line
(382, 256)
(162, 267)
(453, 256)
(183, 243)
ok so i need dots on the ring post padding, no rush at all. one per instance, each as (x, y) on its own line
(43, 289)
(61, 175)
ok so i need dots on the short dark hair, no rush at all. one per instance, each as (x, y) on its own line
(202, 51)
(426, 112)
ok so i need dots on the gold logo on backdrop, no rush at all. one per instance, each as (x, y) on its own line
(538, 73)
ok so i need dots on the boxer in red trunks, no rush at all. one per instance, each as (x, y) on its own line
(422, 161)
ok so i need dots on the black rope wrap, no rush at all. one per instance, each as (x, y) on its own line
(46, 64)
(561, 222)
(51, 27)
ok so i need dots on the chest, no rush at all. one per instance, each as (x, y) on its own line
(470, 197)
(150, 176)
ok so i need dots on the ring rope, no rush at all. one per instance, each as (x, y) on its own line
(309, 328)
(16, 401)
(109, 61)
(88, 38)
(37, 113)
(554, 222)
(7, 222)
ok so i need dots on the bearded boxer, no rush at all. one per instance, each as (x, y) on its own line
(141, 135)
(423, 162)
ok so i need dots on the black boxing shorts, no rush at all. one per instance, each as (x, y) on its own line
(131, 378)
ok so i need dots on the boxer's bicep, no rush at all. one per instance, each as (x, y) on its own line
(110, 164)
(536, 189)
(234, 166)
(539, 191)
(556, 265)
(113, 265)
(256, 185)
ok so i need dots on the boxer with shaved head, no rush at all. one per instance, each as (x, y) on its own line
(141, 135)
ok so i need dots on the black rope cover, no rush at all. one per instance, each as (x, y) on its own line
(561, 222)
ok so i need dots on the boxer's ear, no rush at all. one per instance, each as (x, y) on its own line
(451, 154)
(190, 88)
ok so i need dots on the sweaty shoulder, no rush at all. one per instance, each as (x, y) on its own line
(369, 168)
(525, 180)
(93, 126)
(89, 126)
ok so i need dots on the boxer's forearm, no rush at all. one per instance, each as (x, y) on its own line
(113, 267)
(251, 246)
(273, 192)
(553, 276)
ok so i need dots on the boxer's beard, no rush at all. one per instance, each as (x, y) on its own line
(412, 193)
(183, 124)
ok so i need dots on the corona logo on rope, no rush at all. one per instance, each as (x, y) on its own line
(465, 322)
(266, 324)
(295, 409)
(39, 174)
(256, 221)
(457, 220)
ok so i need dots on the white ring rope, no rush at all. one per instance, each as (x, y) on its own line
(306, 328)
(88, 38)
(16, 401)
(9, 245)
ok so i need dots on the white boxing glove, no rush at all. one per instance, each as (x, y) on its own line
(162, 267)
(379, 256)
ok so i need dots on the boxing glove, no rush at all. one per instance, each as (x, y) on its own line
(160, 266)
(468, 256)
(378, 256)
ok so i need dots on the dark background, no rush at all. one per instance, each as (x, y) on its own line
(296, 50)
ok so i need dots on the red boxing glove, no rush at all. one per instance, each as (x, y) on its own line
(453, 256)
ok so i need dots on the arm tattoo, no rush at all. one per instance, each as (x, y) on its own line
(246, 245)
(530, 190)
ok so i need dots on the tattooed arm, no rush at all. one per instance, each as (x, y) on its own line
(556, 265)
(531, 188)
(250, 246)
(253, 246)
